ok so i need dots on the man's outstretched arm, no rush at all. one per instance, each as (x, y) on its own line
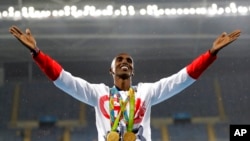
(172, 85)
(49, 66)
(200, 64)
(74, 86)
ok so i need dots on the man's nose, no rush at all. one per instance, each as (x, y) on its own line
(124, 61)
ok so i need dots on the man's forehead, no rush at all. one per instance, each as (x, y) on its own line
(123, 55)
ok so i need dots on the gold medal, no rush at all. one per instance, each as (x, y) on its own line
(129, 136)
(113, 136)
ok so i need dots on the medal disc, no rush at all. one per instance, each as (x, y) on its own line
(129, 136)
(113, 136)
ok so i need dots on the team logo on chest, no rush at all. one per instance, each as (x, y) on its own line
(104, 108)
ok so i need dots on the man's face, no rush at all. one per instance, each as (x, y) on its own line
(122, 65)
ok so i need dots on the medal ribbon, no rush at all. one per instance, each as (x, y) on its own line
(131, 99)
(131, 109)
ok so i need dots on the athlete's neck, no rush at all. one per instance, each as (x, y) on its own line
(122, 84)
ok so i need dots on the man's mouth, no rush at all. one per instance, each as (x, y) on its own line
(124, 68)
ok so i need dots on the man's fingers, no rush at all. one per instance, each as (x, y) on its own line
(17, 30)
(14, 33)
(28, 32)
(235, 33)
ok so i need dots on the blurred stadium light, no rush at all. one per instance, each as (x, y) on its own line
(153, 10)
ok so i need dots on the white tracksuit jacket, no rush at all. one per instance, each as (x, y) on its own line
(147, 95)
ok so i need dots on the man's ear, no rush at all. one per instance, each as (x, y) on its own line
(133, 73)
(111, 71)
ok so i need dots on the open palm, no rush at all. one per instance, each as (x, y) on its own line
(25, 38)
(225, 39)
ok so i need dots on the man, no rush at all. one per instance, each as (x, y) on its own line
(123, 111)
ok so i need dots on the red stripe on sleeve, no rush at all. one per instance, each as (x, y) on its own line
(49, 66)
(200, 64)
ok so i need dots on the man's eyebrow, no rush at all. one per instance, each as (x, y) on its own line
(130, 58)
(119, 57)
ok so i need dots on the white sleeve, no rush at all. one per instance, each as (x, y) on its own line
(170, 86)
(80, 88)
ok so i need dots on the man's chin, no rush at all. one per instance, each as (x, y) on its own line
(124, 75)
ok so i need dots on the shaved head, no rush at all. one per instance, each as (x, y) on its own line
(120, 54)
(122, 65)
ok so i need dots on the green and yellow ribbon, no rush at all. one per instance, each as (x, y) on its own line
(131, 100)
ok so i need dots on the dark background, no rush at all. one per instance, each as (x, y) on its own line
(160, 46)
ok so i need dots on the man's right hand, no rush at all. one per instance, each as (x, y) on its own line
(25, 38)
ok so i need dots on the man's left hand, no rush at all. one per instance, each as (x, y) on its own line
(223, 40)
